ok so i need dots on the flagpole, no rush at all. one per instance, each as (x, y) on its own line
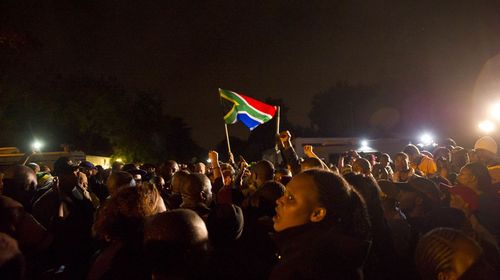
(278, 121)
(276, 148)
(227, 138)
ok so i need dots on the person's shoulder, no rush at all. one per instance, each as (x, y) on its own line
(7, 202)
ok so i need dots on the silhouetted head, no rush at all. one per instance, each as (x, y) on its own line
(445, 253)
(196, 190)
(19, 183)
(176, 244)
(262, 172)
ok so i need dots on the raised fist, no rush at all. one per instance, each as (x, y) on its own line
(308, 150)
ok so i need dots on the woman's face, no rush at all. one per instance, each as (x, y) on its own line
(297, 205)
(466, 178)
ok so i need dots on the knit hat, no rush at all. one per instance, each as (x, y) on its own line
(486, 143)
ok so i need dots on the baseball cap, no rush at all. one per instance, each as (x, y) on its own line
(87, 164)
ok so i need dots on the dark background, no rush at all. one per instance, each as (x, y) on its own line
(341, 68)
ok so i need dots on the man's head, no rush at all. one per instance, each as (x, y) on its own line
(199, 167)
(310, 163)
(167, 169)
(179, 179)
(116, 166)
(412, 151)
(401, 162)
(385, 159)
(445, 253)
(418, 197)
(265, 198)
(361, 166)
(19, 183)
(176, 244)
(262, 172)
(197, 190)
(459, 158)
(88, 168)
(282, 174)
(118, 180)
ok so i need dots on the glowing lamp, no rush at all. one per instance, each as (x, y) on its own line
(37, 145)
(426, 139)
(486, 126)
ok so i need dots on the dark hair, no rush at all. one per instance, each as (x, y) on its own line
(436, 250)
(264, 170)
(345, 208)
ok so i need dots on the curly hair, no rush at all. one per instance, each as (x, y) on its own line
(123, 214)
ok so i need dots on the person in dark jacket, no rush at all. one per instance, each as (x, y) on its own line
(323, 229)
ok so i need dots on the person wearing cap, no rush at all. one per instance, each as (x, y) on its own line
(485, 151)
(466, 200)
(420, 161)
(476, 177)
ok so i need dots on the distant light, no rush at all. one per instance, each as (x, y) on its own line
(119, 159)
(37, 145)
(209, 160)
(495, 111)
(426, 139)
(486, 126)
(364, 143)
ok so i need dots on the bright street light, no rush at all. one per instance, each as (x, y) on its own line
(487, 126)
(37, 145)
(426, 139)
(364, 143)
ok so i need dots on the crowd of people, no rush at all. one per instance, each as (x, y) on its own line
(425, 215)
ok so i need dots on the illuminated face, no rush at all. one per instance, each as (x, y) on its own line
(466, 178)
(296, 206)
(401, 163)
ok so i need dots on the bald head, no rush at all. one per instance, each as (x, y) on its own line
(181, 226)
(176, 244)
(196, 189)
(167, 169)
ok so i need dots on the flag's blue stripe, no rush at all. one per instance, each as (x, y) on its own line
(247, 121)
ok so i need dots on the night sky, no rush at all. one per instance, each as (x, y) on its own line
(185, 50)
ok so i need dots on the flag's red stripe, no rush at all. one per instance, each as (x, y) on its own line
(263, 107)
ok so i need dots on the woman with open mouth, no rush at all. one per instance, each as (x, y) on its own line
(322, 229)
